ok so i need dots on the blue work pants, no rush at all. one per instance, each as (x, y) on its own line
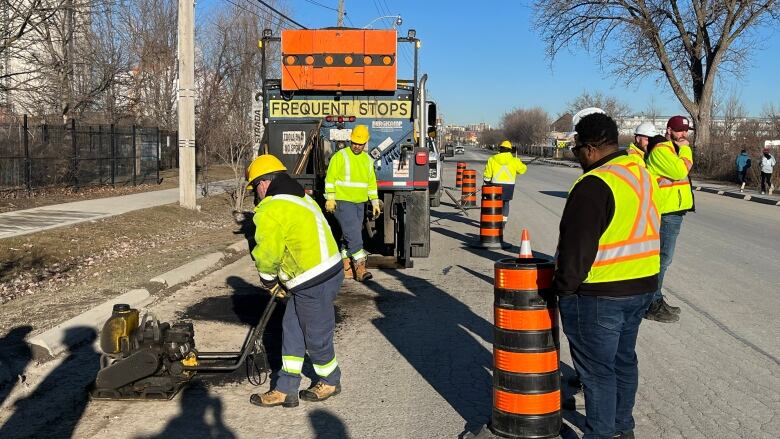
(350, 217)
(307, 327)
(602, 334)
(670, 229)
(507, 193)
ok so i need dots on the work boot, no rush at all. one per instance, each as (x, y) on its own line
(273, 398)
(348, 273)
(361, 274)
(659, 313)
(319, 392)
(672, 309)
(624, 435)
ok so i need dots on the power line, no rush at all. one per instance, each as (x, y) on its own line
(269, 18)
(277, 12)
(321, 5)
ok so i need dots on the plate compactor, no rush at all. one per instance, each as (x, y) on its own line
(153, 360)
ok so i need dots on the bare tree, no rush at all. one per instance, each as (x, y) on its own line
(612, 105)
(687, 43)
(491, 137)
(526, 127)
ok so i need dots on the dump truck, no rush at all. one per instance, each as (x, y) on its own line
(330, 80)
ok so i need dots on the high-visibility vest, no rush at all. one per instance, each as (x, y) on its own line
(670, 165)
(350, 177)
(630, 246)
(503, 168)
(294, 241)
(634, 150)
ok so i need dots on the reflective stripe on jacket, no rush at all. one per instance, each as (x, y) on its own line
(294, 240)
(634, 150)
(503, 168)
(630, 246)
(670, 169)
(350, 177)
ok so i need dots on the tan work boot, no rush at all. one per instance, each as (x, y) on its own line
(319, 392)
(361, 274)
(348, 273)
(273, 398)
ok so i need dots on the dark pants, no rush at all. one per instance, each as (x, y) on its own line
(602, 334)
(766, 181)
(507, 193)
(350, 217)
(307, 327)
(670, 229)
(741, 175)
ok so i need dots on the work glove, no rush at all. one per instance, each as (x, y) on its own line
(375, 209)
(275, 288)
(330, 205)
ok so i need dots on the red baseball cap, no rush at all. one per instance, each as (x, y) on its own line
(679, 123)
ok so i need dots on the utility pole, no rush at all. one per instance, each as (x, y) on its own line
(186, 104)
(340, 20)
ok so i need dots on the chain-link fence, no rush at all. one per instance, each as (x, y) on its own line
(36, 155)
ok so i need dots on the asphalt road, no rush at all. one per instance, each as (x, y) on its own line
(415, 345)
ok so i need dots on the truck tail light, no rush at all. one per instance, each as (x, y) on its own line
(421, 158)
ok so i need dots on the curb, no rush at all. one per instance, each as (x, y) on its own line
(559, 163)
(83, 327)
(739, 196)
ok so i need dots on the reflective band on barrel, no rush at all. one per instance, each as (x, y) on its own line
(490, 232)
(523, 279)
(522, 404)
(525, 320)
(492, 190)
(491, 218)
(493, 204)
(521, 362)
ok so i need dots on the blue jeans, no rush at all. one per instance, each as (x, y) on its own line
(670, 229)
(602, 335)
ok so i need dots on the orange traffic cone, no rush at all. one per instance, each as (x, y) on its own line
(525, 246)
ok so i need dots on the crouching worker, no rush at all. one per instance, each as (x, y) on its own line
(296, 257)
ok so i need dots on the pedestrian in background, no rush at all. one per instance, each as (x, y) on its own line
(743, 164)
(298, 258)
(607, 273)
(670, 160)
(768, 163)
(642, 134)
(502, 169)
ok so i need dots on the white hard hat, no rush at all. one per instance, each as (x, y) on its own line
(582, 113)
(646, 129)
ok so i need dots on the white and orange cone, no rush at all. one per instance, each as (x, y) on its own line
(525, 246)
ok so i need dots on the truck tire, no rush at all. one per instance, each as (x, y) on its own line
(419, 217)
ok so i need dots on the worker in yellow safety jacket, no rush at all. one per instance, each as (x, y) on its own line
(642, 134)
(298, 258)
(670, 160)
(349, 183)
(606, 272)
(502, 169)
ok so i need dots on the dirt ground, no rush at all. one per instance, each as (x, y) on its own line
(19, 200)
(46, 278)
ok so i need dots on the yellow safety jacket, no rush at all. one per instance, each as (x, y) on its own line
(634, 150)
(503, 168)
(294, 241)
(350, 177)
(670, 166)
(630, 246)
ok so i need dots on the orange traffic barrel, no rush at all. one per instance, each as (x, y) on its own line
(459, 174)
(526, 375)
(491, 219)
(468, 194)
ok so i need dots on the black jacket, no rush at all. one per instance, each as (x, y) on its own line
(588, 212)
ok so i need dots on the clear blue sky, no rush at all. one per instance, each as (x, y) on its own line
(486, 59)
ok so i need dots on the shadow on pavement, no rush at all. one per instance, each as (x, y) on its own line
(435, 333)
(57, 404)
(15, 354)
(559, 194)
(455, 217)
(200, 417)
(327, 425)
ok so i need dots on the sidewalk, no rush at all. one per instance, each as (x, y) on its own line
(22, 222)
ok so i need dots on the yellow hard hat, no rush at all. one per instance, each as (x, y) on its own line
(506, 144)
(262, 165)
(360, 135)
